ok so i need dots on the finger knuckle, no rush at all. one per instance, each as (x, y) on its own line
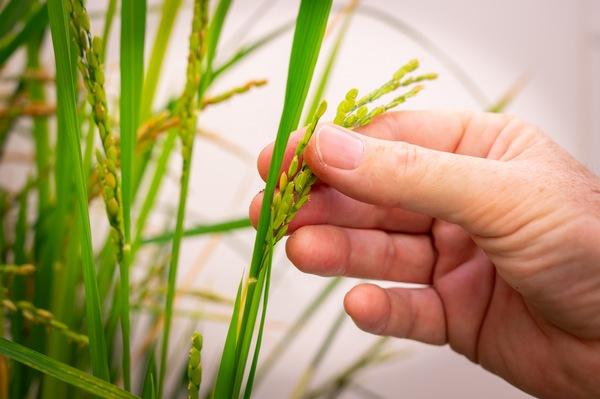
(406, 161)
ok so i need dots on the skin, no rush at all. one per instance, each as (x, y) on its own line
(498, 223)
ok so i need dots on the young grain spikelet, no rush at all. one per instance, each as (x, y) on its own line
(45, 318)
(194, 370)
(92, 72)
(296, 183)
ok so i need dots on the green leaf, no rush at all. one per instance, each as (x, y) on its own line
(169, 11)
(67, 113)
(308, 36)
(245, 338)
(324, 79)
(150, 197)
(203, 229)
(214, 34)
(111, 10)
(310, 29)
(149, 388)
(12, 13)
(247, 50)
(226, 374)
(261, 328)
(133, 30)
(133, 27)
(34, 25)
(61, 371)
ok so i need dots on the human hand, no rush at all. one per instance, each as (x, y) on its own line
(499, 223)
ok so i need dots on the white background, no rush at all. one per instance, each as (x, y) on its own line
(555, 43)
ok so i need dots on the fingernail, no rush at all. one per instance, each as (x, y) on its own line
(339, 148)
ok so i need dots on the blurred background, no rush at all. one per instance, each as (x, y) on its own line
(550, 47)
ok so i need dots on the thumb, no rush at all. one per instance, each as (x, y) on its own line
(457, 188)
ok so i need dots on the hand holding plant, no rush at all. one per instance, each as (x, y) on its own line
(497, 221)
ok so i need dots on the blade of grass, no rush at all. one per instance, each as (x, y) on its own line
(21, 375)
(247, 50)
(261, 328)
(227, 366)
(298, 324)
(169, 11)
(67, 111)
(34, 25)
(61, 371)
(149, 385)
(111, 10)
(308, 36)
(133, 30)
(251, 20)
(12, 13)
(150, 197)
(324, 78)
(213, 35)
(221, 227)
(43, 167)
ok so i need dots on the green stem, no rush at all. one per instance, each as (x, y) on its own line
(150, 197)
(220, 227)
(171, 281)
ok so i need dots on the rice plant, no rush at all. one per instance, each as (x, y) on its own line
(89, 286)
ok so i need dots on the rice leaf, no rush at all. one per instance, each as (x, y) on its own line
(214, 34)
(149, 387)
(35, 24)
(169, 11)
(203, 229)
(324, 78)
(226, 374)
(150, 197)
(67, 112)
(133, 30)
(246, 334)
(261, 329)
(245, 51)
(308, 36)
(61, 371)
(12, 13)
(111, 10)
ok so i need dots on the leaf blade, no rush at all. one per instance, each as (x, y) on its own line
(61, 371)
(67, 112)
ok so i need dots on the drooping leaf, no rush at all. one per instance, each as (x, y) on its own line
(61, 371)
